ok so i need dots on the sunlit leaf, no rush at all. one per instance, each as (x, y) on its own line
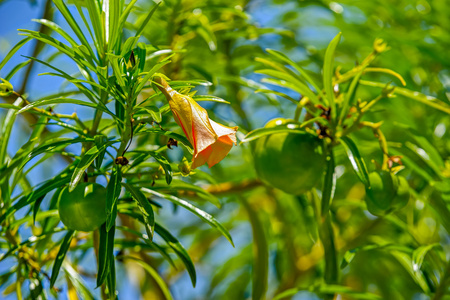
(328, 74)
(358, 164)
(161, 284)
(179, 250)
(61, 255)
(85, 162)
(200, 213)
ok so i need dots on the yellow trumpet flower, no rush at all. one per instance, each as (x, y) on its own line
(211, 141)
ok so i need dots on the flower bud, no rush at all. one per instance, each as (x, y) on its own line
(6, 88)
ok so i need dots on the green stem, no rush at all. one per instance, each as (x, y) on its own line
(382, 140)
(326, 235)
(371, 103)
(52, 115)
(352, 73)
(298, 112)
(128, 131)
(331, 265)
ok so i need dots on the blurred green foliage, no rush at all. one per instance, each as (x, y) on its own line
(282, 243)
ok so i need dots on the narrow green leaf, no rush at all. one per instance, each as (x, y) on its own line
(97, 24)
(154, 112)
(154, 274)
(425, 154)
(147, 19)
(70, 127)
(416, 96)
(36, 205)
(207, 34)
(180, 185)
(164, 163)
(55, 27)
(5, 130)
(405, 260)
(111, 279)
(16, 69)
(55, 143)
(418, 255)
(331, 272)
(61, 255)
(105, 253)
(209, 98)
(425, 144)
(115, 31)
(415, 162)
(94, 86)
(283, 95)
(114, 60)
(350, 95)
(9, 106)
(151, 244)
(71, 21)
(87, 92)
(329, 185)
(112, 195)
(260, 270)
(358, 164)
(58, 45)
(179, 250)
(129, 44)
(45, 188)
(200, 213)
(328, 73)
(291, 82)
(13, 51)
(20, 158)
(278, 66)
(85, 162)
(55, 101)
(149, 75)
(290, 62)
(261, 132)
(120, 113)
(100, 139)
(145, 207)
(77, 282)
(123, 19)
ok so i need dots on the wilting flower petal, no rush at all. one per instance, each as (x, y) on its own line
(211, 141)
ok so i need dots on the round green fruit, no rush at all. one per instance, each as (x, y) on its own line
(83, 209)
(292, 162)
(402, 193)
(387, 192)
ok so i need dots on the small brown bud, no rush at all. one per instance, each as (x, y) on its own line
(121, 160)
(172, 142)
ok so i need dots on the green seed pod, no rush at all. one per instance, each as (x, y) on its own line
(402, 193)
(387, 192)
(184, 167)
(83, 209)
(291, 162)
